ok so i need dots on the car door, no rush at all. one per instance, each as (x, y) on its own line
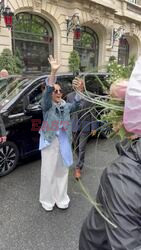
(33, 110)
(19, 128)
(22, 120)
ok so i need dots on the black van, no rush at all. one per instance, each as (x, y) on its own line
(20, 111)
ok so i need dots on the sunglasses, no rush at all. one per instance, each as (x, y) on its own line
(58, 91)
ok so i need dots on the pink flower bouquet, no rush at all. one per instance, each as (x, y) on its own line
(118, 89)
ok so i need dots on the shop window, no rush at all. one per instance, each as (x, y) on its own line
(123, 51)
(33, 37)
(88, 49)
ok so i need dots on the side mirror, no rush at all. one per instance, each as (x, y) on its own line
(32, 109)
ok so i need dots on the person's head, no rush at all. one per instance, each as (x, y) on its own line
(57, 93)
(4, 73)
(43, 86)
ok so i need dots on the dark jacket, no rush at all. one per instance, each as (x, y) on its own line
(82, 120)
(2, 128)
(119, 197)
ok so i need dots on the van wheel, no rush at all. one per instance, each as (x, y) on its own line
(9, 155)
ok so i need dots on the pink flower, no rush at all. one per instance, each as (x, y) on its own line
(118, 89)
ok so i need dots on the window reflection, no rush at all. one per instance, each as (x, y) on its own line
(123, 51)
(87, 48)
(33, 36)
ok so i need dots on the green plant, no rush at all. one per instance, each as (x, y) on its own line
(118, 71)
(112, 58)
(12, 63)
(74, 61)
(114, 114)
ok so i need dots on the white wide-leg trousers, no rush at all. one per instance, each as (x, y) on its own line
(54, 178)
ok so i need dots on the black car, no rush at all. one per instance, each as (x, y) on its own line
(22, 116)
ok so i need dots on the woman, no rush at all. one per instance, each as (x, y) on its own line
(55, 143)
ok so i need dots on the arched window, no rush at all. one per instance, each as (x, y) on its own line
(33, 37)
(88, 48)
(123, 51)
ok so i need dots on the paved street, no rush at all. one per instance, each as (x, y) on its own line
(24, 225)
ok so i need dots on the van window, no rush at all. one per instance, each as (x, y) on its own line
(18, 107)
(36, 95)
(95, 83)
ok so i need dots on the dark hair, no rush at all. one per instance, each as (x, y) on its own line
(58, 83)
(43, 86)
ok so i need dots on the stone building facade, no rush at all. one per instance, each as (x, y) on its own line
(99, 18)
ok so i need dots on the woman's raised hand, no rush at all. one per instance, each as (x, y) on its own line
(53, 63)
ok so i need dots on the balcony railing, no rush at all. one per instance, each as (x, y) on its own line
(132, 1)
(134, 6)
(136, 2)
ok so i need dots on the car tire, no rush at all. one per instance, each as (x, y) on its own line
(9, 155)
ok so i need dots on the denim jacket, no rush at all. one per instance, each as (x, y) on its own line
(55, 116)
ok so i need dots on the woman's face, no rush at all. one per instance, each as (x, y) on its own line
(57, 93)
